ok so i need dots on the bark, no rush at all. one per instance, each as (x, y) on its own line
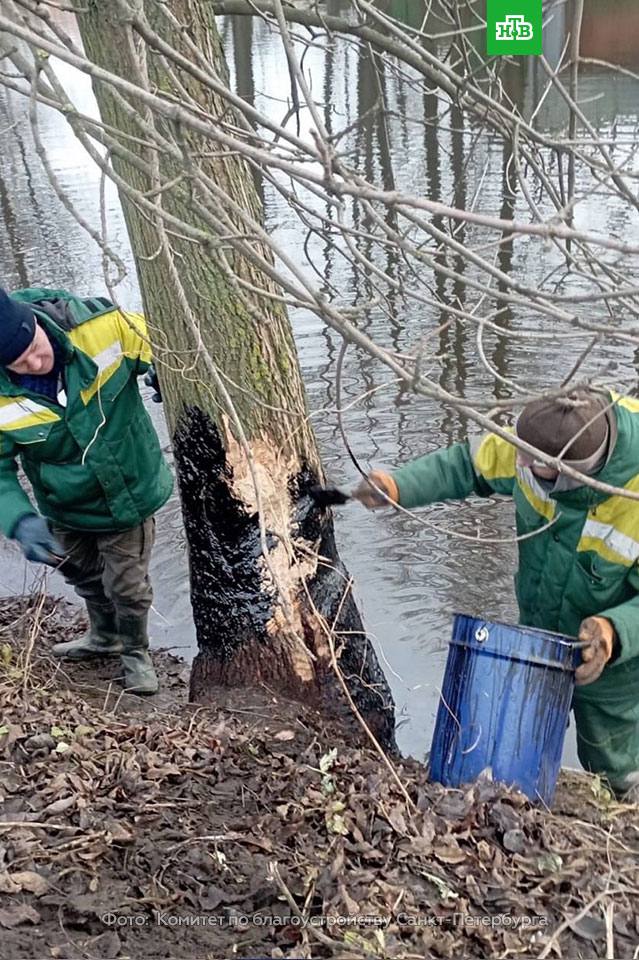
(258, 620)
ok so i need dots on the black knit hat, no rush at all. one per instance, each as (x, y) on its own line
(549, 424)
(17, 328)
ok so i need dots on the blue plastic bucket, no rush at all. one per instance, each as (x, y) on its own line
(504, 706)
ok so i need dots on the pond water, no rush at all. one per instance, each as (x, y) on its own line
(409, 578)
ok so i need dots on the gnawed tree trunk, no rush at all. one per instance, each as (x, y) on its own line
(257, 619)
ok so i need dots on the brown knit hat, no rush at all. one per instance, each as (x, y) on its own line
(549, 424)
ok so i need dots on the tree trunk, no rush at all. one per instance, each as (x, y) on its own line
(260, 616)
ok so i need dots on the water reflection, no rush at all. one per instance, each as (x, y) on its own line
(409, 578)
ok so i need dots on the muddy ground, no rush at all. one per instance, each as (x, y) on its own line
(143, 829)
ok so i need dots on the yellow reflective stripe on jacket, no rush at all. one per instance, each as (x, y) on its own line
(612, 528)
(609, 543)
(107, 362)
(17, 413)
(537, 497)
(493, 458)
(134, 336)
(629, 403)
(108, 339)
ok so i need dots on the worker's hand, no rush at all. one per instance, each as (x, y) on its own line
(599, 634)
(372, 498)
(151, 380)
(37, 542)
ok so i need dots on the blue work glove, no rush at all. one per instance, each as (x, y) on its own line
(151, 380)
(36, 540)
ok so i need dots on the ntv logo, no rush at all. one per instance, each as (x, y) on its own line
(514, 27)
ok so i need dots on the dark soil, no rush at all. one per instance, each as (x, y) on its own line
(135, 828)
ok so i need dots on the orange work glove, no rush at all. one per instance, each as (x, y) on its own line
(369, 496)
(599, 634)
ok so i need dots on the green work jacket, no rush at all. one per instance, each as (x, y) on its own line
(96, 463)
(586, 561)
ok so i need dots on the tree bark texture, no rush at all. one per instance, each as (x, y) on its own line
(258, 620)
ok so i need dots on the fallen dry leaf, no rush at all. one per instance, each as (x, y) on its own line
(59, 806)
(8, 884)
(397, 820)
(159, 773)
(30, 881)
(16, 914)
(284, 735)
(449, 853)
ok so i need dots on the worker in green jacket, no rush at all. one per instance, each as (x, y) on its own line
(71, 413)
(579, 574)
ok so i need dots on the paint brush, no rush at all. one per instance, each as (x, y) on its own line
(330, 496)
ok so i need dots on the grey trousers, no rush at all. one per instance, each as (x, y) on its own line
(111, 570)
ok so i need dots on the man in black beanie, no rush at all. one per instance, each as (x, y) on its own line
(17, 329)
(71, 412)
(579, 573)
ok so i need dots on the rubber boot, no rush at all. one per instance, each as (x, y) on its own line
(100, 640)
(139, 673)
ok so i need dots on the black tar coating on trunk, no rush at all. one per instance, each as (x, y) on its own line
(358, 661)
(229, 603)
